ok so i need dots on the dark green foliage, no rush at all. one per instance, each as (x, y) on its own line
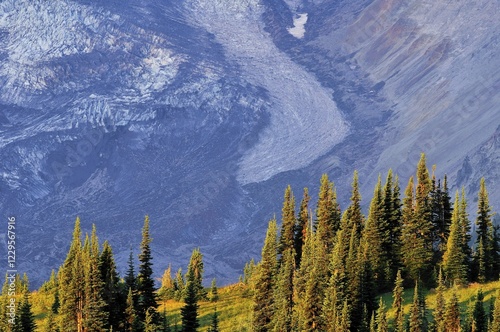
(111, 292)
(26, 317)
(265, 281)
(194, 277)
(131, 323)
(130, 277)
(287, 234)
(71, 285)
(248, 271)
(213, 295)
(146, 290)
(439, 312)
(214, 325)
(479, 318)
(485, 259)
(301, 227)
(454, 257)
(495, 319)
(283, 294)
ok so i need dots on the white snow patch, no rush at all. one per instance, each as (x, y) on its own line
(305, 122)
(299, 23)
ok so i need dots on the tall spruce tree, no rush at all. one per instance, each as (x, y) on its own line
(382, 325)
(189, 312)
(454, 257)
(26, 316)
(377, 237)
(287, 234)
(483, 261)
(495, 322)
(327, 214)
(479, 318)
(452, 314)
(301, 226)
(265, 281)
(439, 312)
(94, 315)
(111, 293)
(71, 286)
(397, 304)
(145, 283)
(417, 321)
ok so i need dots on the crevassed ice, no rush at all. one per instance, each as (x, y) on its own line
(305, 122)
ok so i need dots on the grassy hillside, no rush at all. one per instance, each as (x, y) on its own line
(234, 307)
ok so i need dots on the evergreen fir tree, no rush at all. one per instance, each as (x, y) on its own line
(265, 282)
(377, 237)
(382, 325)
(111, 293)
(26, 316)
(301, 227)
(495, 321)
(179, 285)
(483, 259)
(132, 323)
(145, 282)
(71, 286)
(454, 257)
(151, 321)
(287, 234)
(214, 325)
(165, 326)
(50, 323)
(397, 304)
(417, 322)
(415, 236)
(196, 265)
(94, 315)
(479, 318)
(452, 315)
(283, 294)
(465, 232)
(439, 312)
(213, 295)
(167, 289)
(189, 312)
(345, 320)
(130, 277)
(327, 214)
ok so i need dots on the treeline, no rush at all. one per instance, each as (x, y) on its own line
(324, 272)
(89, 295)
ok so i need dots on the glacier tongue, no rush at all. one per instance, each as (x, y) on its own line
(304, 119)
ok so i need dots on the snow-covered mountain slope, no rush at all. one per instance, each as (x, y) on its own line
(199, 112)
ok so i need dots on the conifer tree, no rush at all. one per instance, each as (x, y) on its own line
(71, 285)
(310, 286)
(417, 322)
(165, 326)
(132, 323)
(50, 323)
(26, 316)
(415, 235)
(111, 293)
(130, 277)
(454, 258)
(196, 265)
(301, 227)
(283, 294)
(94, 315)
(189, 312)
(439, 312)
(495, 321)
(345, 319)
(265, 282)
(179, 284)
(377, 237)
(327, 214)
(353, 217)
(452, 315)
(167, 289)
(484, 255)
(145, 282)
(397, 304)
(213, 295)
(382, 325)
(287, 234)
(214, 325)
(479, 318)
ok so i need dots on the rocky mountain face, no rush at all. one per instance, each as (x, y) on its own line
(200, 112)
